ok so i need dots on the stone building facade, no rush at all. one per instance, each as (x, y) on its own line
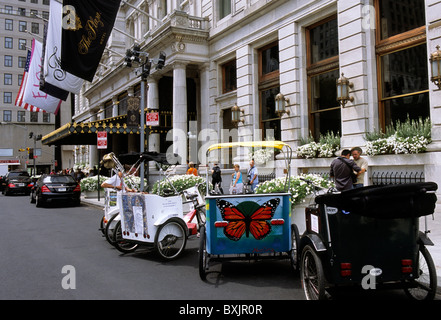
(243, 53)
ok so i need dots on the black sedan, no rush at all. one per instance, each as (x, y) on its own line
(16, 182)
(56, 188)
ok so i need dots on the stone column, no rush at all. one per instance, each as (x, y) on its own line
(153, 104)
(180, 145)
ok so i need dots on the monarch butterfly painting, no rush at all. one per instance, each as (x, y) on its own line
(248, 217)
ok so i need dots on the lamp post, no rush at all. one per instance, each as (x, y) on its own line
(141, 58)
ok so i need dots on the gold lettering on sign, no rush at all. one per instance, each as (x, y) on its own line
(91, 29)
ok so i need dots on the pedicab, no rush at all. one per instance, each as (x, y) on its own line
(247, 226)
(150, 220)
(369, 238)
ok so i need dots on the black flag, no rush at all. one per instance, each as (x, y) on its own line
(87, 25)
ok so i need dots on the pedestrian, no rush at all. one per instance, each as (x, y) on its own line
(362, 163)
(79, 175)
(216, 178)
(252, 176)
(342, 171)
(237, 183)
(192, 170)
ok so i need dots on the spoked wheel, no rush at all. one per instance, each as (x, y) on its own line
(312, 275)
(170, 239)
(203, 255)
(294, 254)
(121, 244)
(424, 287)
(110, 228)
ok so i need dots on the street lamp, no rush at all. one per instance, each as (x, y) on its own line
(343, 86)
(235, 115)
(141, 58)
(435, 65)
(281, 104)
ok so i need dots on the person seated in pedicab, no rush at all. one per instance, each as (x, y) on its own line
(237, 186)
(192, 169)
(116, 182)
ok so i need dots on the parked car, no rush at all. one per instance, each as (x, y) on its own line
(2, 183)
(51, 188)
(16, 181)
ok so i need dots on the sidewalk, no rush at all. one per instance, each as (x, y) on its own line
(433, 224)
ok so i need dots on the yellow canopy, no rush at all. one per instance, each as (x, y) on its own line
(252, 144)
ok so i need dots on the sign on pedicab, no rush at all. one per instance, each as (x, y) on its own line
(143, 212)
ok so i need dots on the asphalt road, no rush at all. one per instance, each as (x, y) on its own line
(57, 253)
(37, 243)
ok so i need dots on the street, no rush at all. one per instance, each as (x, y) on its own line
(57, 253)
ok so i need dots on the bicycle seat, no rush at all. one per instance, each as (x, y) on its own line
(191, 196)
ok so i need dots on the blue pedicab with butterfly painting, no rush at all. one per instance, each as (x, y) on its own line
(248, 226)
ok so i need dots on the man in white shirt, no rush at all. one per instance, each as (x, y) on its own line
(116, 182)
(362, 163)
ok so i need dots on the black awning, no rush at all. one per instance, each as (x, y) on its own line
(84, 133)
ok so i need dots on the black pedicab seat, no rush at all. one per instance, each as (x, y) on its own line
(410, 200)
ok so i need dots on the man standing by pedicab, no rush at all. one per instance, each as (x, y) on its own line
(362, 163)
(342, 171)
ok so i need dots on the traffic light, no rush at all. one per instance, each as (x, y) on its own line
(21, 150)
(31, 153)
(31, 134)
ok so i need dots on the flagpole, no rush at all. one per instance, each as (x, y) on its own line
(142, 11)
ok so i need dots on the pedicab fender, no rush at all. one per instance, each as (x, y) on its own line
(424, 239)
(313, 239)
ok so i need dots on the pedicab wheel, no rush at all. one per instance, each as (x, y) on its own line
(426, 284)
(312, 275)
(102, 228)
(121, 244)
(294, 253)
(110, 229)
(170, 239)
(203, 255)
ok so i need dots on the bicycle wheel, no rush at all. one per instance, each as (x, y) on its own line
(171, 238)
(312, 275)
(203, 255)
(110, 228)
(426, 284)
(294, 253)
(121, 244)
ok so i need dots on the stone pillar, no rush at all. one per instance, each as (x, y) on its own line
(180, 145)
(153, 104)
(115, 106)
(93, 150)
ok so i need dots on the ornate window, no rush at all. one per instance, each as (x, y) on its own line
(401, 61)
(323, 71)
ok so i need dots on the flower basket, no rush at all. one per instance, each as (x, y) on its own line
(179, 182)
(299, 189)
(91, 184)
